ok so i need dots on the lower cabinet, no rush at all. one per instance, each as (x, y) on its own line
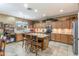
(53, 36)
(64, 38)
(19, 37)
(57, 37)
(70, 39)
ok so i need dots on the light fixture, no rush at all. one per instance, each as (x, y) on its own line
(26, 5)
(36, 10)
(44, 15)
(61, 10)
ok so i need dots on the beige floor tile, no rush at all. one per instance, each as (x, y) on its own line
(55, 49)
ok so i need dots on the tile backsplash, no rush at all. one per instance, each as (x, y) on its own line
(62, 31)
(59, 31)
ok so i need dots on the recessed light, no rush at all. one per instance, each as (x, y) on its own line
(29, 9)
(26, 5)
(36, 10)
(61, 10)
(44, 15)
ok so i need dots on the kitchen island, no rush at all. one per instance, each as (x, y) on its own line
(39, 37)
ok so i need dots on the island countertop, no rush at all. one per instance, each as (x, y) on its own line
(40, 35)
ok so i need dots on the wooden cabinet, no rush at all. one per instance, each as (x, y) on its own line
(64, 38)
(57, 24)
(53, 24)
(63, 22)
(67, 24)
(70, 24)
(70, 39)
(2, 48)
(53, 36)
(57, 37)
(19, 37)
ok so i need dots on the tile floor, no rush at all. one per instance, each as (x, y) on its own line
(54, 49)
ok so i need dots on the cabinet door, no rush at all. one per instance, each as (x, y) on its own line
(57, 25)
(70, 24)
(63, 38)
(53, 36)
(63, 24)
(69, 39)
(66, 24)
(60, 25)
(53, 24)
(57, 37)
(19, 37)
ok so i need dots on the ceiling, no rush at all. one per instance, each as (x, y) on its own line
(49, 9)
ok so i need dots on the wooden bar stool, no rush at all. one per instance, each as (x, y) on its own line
(2, 48)
(27, 40)
(35, 45)
(28, 43)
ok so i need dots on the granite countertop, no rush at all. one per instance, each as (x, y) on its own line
(40, 35)
(62, 33)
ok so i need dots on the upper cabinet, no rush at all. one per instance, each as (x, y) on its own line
(62, 23)
(65, 24)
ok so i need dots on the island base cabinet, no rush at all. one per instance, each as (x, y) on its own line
(19, 37)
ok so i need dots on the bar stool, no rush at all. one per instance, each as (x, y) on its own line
(2, 47)
(24, 39)
(26, 42)
(35, 45)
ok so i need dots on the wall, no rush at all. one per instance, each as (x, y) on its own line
(10, 19)
(7, 19)
(78, 24)
(78, 33)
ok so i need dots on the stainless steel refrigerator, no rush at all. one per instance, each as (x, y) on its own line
(75, 37)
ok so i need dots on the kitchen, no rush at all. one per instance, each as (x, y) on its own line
(25, 32)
